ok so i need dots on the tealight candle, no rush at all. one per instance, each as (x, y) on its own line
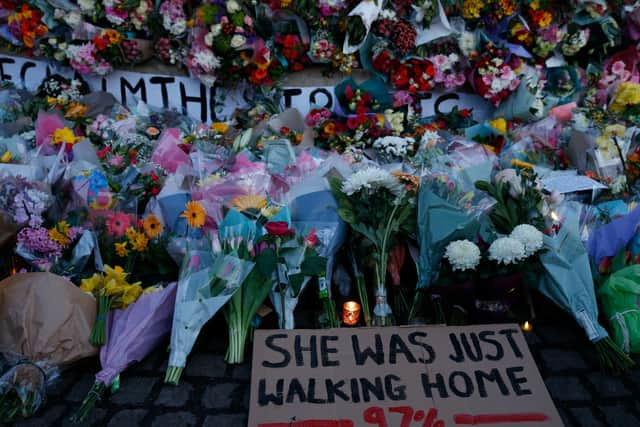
(526, 326)
(350, 313)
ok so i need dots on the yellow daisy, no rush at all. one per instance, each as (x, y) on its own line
(252, 201)
(195, 214)
(152, 226)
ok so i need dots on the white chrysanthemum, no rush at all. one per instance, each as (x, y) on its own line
(529, 236)
(507, 250)
(467, 42)
(207, 60)
(463, 255)
(393, 145)
(371, 179)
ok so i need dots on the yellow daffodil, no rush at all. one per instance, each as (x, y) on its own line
(92, 283)
(220, 127)
(499, 124)
(130, 233)
(64, 136)
(121, 249)
(140, 242)
(6, 157)
(628, 93)
(116, 273)
(152, 289)
(130, 295)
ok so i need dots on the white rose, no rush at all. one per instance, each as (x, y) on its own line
(511, 177)
(216, 29)
(208, 39)
(233, 6)
(73, 19)
(179, 27)
(87, 6)
(238, 41)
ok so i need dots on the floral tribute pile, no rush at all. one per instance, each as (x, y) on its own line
(165, 222)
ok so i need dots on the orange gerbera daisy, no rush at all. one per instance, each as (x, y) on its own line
(195, 214)
(152, 226)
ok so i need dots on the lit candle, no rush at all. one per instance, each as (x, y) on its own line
(526, 326)
(350, 313)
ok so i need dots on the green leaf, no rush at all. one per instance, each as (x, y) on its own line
(296, 281)
(619, 261)
(266, 262)
(313, 265)
(347, 215)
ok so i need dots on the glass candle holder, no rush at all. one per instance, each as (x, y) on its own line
(350, 313)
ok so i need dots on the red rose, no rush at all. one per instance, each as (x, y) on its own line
(311, 240)
(465, 113)
(278, 228)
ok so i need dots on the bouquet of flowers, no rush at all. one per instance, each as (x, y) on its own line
(377, 207)
(222, 36)
(494, 74)
(297, 263)
(26, 27)
(112, 290)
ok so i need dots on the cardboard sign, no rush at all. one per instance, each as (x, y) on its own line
(425, 376)
(205, 104)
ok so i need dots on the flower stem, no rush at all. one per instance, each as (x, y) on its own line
(89, 402)
(611, 357)
(237, 340)
(98, 333)
(173, 375)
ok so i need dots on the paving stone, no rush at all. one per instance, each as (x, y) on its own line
(151, 362)
(205, 365)
(134, 390)
(242, 372)
(585, 417)
(45, 417)
(95, 418)
(557, 360)
(60, 385)
(565, 418)
(174, 396)
(533, 338)
(567, 335)
(608, 385)
(235, 420)
(218, 396)
(619, 416)
(175, 419)
(79, 390)
(566, 388)
(127, 418)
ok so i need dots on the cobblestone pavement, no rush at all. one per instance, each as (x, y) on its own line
(213, 394)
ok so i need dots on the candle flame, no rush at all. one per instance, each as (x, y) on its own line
(527, 326)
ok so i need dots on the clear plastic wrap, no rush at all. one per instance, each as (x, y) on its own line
(23, 386)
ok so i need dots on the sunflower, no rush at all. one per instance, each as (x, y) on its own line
(252, 201)
(152, 226)
(195, 214)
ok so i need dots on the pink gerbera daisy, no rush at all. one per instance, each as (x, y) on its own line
(118, 223)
